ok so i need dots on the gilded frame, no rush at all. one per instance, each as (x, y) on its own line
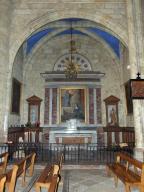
(72, 104)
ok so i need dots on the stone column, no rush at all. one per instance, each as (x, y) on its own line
(5, 12)
(136, 57)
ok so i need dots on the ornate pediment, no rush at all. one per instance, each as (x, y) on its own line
(34, 99)
(111, 99)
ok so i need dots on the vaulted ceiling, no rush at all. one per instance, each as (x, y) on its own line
(80, 27)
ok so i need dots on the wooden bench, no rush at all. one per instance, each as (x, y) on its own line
(12, 175)
(60, 162)
(19, 169)
(30, 160)
(3, 163)
(54, 184)
(2, 182)
(129, 170)
(45, 177)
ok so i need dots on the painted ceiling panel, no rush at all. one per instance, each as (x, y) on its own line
(32, 40)
(111, 40)
(68, 32)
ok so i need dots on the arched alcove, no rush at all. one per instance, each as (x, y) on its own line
(41, 50)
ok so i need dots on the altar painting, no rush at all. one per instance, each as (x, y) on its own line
(72, 104)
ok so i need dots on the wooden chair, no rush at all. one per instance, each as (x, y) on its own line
(3, 163)
(2, 182)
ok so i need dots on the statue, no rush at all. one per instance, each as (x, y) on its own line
(113, 117)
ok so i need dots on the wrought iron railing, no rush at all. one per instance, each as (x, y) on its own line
(73, 153)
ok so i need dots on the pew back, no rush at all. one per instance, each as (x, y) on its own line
(3, 163)
(129, 170)
(54, 184)
(12, 175)
(2, 182)
(30, 160)
(46, 177)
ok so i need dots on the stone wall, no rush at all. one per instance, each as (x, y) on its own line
(5, 81)
(21, 18)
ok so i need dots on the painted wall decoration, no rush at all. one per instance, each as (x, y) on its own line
(72, 104)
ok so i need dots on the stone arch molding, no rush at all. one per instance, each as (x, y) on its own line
(34, 25)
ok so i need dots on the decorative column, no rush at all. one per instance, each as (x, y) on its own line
(91, 106)
(5, 15)
(136, 57)
(98, 105)
(54, 106)
(47, 106)
(94, 105)
(51, 106)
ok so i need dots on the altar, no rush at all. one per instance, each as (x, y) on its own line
(72, 107)
(72, 136)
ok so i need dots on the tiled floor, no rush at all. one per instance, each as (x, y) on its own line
(78, 179)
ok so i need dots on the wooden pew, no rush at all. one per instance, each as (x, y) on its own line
(12, 175)
(60, 162)
(2, 182)
(129, 170)
(3, 163)
(19, 169)
(54, 184)
(30, 160)
(46, 177)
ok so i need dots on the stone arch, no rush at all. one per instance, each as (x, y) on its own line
(119, 31)
(35, 24)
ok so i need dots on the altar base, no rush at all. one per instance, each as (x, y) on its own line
(72, 136)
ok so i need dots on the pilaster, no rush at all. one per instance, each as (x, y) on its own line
(5, 12)
(136, 58)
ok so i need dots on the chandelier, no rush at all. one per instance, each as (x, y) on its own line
(71, 68)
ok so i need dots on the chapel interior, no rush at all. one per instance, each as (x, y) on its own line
(72, 75)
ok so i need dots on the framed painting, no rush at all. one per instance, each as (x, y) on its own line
(129, 103)
(137, 88)
(16, 93)
(72, 104)
(112, 115)
(111, 103)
